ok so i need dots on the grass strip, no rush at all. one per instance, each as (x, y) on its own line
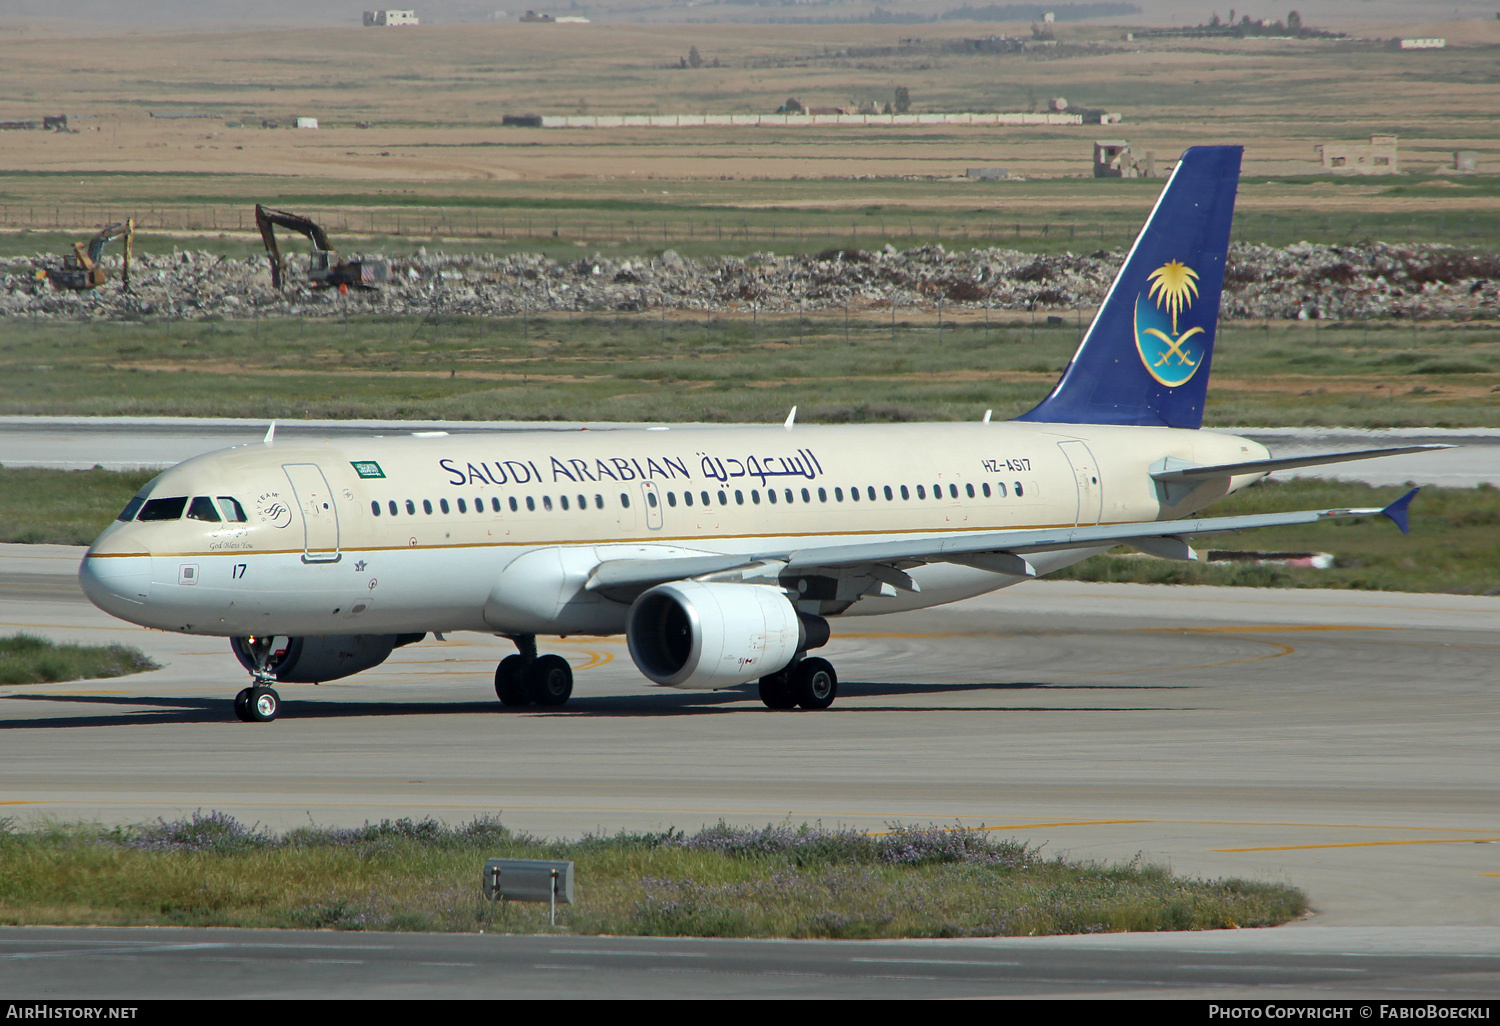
(28, 659)
(63, 507)
(1453, 546)
(723, 881)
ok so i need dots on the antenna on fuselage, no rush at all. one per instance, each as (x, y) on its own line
(790, 419)
(270, 434)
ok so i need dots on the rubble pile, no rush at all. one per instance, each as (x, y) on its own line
(1303, 281)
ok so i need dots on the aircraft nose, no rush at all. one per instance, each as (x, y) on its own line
(118, 580)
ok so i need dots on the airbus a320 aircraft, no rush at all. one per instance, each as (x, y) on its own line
(720, 554)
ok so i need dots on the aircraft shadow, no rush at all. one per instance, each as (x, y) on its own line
(660, 703)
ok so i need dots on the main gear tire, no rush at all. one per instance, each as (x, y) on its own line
(814, 684)
(510, 681)
(776, 691)
(551, 680)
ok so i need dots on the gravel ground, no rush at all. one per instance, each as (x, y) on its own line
(1304, 280)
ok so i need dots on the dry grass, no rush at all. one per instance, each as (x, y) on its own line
(436, 95)
(780, 881)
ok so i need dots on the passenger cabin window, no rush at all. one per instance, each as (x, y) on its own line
(391, 505)
(411, 507)
(443, 505)
(514, 506)
(131, 509)
(163, 509)
(374, 507)
(625, 500)
(427, 506)
(462, 506)
(1019, 490)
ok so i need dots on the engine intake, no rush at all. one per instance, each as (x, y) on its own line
(314, 660)
(690, 634)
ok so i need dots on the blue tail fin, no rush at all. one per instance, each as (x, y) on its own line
(1145, 358)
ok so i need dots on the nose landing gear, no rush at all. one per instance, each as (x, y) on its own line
(259, 703)
(527, 678)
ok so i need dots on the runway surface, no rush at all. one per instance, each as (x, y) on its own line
(119, 443)
(1365, 966)
(1342, 741)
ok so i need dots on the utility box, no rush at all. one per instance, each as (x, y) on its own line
(528, 880)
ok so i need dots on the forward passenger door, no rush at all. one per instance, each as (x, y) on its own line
(320, 518)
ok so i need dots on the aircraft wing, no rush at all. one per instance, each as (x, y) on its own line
(1000, 551)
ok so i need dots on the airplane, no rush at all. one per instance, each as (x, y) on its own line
(720, 553)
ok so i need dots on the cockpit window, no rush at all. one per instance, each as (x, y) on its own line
(131, 508)
(163, 509)
(203, 509)
(233, 511)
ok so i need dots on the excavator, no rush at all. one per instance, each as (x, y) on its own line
(324, 268)
(81, 270)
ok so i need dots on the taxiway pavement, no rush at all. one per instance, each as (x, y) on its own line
(1342, 741)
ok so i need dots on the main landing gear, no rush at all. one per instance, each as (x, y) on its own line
(526, 677)
(810, 683)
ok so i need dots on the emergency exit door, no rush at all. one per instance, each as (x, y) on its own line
(1086, 474)
(320, 517)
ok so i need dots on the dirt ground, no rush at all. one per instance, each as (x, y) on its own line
(434, 98)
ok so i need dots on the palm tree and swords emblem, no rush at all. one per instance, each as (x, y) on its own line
(1170, 357)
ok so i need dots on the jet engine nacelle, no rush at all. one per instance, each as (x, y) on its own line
(314, 660)
(690, 634)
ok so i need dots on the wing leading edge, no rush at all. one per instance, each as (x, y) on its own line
(1000, 551)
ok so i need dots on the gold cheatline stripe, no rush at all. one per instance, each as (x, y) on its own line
(614, 541)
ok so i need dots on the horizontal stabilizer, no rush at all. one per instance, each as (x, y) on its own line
(1396, 511)
(1175, 471)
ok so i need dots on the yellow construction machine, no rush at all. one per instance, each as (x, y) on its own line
(81, 270)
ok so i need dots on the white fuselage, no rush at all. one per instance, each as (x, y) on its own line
(498, 532)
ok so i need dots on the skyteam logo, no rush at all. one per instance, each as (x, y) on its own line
(1171, 357)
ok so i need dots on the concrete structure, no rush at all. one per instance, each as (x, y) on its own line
(389, 19)
(1113, 159)
(1428, 43)
(1466, 161)
(795, 120)
(1376, 158)
(307, 122)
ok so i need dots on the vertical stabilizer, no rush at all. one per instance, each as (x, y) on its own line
(1145, 359)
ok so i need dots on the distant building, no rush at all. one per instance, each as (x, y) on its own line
(569, 19)
(986, 174)
(1376, 158)
(1113, 159)
(1430, 43)
(389, 19)
(307, 122)
(533, 16)
(1466, 161)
